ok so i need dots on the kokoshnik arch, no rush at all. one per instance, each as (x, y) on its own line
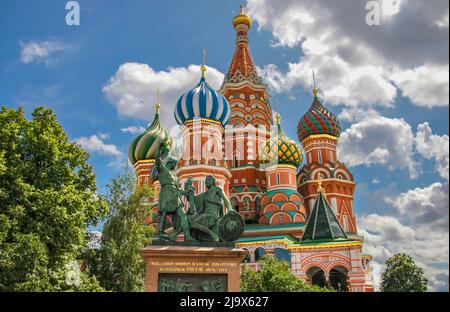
(304, 215)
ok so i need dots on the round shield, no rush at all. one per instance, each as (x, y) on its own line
(231, 226)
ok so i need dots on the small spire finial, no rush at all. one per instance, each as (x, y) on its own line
(315, 90)
(158, 100)
(278, 116)
(242, 8)
(203, 62)
(319, 182)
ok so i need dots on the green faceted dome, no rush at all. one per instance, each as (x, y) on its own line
(145, 145)
(281, 149)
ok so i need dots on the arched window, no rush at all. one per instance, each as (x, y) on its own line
(259, 253)
(316, 276)
(338, 278)
(246, 204)
(236, 159)
(283, 255)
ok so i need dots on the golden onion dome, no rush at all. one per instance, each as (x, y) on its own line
(280, 149)
(242, 18)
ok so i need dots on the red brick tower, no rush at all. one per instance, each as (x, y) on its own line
(202, 114)
(319, 131)
(249, 125)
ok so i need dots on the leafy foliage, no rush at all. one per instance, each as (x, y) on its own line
(274, 276)
(117, 264)
(47, 200)
(403, 275)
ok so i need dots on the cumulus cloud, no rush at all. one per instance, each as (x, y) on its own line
(95, 144)
(435, 147)
(425, 85)
(379, 141)
(339, 82)
(425, 206)
(386, 225)
(41, 51)
(356, 62)
(132, 90)
(418, 225)
(133, 129)
(385, 236)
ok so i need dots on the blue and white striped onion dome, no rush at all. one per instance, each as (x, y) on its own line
(202, 102)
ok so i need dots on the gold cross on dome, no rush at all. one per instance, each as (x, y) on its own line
(158, 103)
(315, 90)
(203, 62)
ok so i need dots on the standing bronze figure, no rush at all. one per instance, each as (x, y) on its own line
(170, 203)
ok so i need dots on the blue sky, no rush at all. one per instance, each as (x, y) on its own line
(375, 79)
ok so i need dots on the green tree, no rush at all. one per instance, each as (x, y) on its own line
(117, 264)
(48, 199)
(403, 275)
(274, 276)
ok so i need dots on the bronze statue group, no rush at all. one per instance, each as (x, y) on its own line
(205, 220)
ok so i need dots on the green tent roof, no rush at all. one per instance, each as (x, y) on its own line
(322, 223)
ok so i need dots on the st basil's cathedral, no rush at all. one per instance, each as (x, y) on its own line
(296, 199)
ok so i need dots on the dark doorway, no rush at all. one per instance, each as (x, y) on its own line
(259, 253)
(338, 279)
(316, 277)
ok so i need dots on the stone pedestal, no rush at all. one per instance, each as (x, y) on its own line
(192, 269)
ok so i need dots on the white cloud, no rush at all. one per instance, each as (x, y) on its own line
(377, 270)
(418, 225)
(273, 77)
(443, 21)
(355, 114)
(425, 85)
(354, 62)
(385, 236)
(133, 129)
(96, 144)
(432, 146)
(41, 51)
(132, 90)
(379, 141)
(385, 226)
(425, 206)
(104, 136)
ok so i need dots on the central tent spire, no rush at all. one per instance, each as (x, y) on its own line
(242, 66)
